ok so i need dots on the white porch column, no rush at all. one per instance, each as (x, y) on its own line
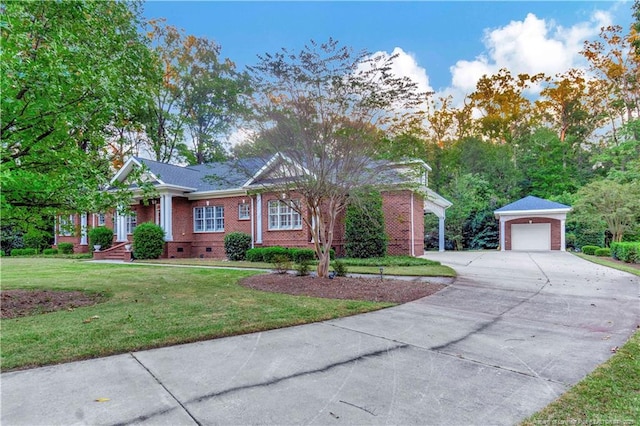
(121, 235)
(83, 229)
(563, 242)
(441, 233)
(166, 216)
(413, 231)
(259, 219)
(55, 231)
(502, 236)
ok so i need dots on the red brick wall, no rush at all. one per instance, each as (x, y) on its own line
(397, 214)
(555, 230)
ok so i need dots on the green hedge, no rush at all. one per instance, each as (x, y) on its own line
(591, 250)
(603, 252)
(49, 251)
(65, 248)
(268, 254)
(24, 252)
(101, 236)
(148, 241)
(628, 252)
(236, 245)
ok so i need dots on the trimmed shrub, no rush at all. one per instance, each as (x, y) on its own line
(101, 236)
(340, 268)
(302, 268)
(300, 255)
(49, 251)
(364, 227)
(148, 241)
(65, 248)
(236, 245)
(24, 252)
(603, 252)
(255, 254)
(628, 252)
(591, 250)
(281, 263)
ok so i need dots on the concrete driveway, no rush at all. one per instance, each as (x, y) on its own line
(513, 333)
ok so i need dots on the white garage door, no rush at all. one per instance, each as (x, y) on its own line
(531, 236)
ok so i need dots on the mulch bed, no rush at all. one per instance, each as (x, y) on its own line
(20, 303)
(351, 288)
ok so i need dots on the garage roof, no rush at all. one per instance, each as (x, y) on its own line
(532, 205)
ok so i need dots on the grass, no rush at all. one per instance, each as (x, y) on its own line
(610, 394)
(607, 261)
(393, 265)
(146, 306)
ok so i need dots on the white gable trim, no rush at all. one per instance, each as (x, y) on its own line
(128, 167)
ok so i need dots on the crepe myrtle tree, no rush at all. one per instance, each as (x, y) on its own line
(323, 109)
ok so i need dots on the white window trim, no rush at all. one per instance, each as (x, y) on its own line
(101, 219)
(66, 226)
(290, 216)
(131, 222)
(215, 218)
(246, 207)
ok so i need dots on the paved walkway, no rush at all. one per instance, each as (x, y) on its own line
(514, 332)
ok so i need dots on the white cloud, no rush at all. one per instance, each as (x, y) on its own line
(530, 46)
(405, 65)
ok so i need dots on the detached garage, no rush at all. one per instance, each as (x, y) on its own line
(532, 224)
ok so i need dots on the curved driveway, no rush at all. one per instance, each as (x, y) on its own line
(513, 332)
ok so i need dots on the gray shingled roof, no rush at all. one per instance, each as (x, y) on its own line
(204, 177)
(532, 203)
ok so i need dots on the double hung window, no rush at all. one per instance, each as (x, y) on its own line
(208, 219)
(283, 216)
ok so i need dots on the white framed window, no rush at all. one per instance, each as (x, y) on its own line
(244, 211)
(66, 226)
(102, 219)
(208, 219)
(281, 216)
(131, 222)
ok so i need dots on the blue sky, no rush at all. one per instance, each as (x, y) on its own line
(445, 46)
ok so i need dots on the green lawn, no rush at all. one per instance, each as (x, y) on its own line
(147, 306)
(607, 261)
(610, 395)
(393, 265)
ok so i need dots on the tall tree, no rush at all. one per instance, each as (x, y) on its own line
(323, 108)
(615, 204)
(617, 65)
(506, 111)
(198, 99)
(65, 69)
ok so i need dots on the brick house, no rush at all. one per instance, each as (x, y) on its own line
(198, 205)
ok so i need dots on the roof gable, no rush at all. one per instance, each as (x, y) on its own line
(531, 203)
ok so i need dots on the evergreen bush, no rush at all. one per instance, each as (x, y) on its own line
(24, 252)
(255, 254)
(65, 248)
(236, 245)
(364, 227)
(591, 250)
(148, 241)
(101, 236)
(340, 268)
(628, 252)
(37, 239)
(603, 252)
(49, 251)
